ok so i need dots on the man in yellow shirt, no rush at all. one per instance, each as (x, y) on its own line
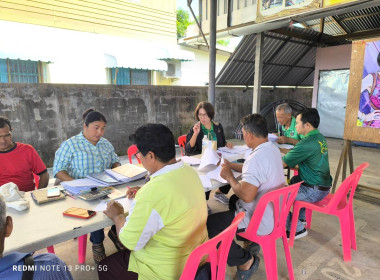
(167, 219)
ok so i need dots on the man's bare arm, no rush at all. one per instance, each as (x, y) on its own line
(245, 191)
(44, 180)
(64, 176)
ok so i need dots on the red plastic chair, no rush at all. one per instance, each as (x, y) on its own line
(82, 240)
(217, 256)
(50, 249)
(281, 200)
(132, 150)
(182, 144)
(334, 204)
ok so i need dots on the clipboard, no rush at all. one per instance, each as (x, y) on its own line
(40, 196)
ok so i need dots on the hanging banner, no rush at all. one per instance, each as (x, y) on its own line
(274, 9)
(328, 3)
(369, 104)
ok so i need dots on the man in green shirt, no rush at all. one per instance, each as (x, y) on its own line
(287, 133)
(167, 218)
(311, 155)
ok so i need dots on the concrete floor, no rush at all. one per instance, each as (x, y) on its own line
(316, 256)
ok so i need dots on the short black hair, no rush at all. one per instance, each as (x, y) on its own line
(309, 115)
(255, 124)
(210, 111)
(156, 138)
(91, 115)
(5, 121)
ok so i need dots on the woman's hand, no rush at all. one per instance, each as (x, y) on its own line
(197, 128)
(131, 192)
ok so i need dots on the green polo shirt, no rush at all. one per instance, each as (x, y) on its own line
(311, 155)
(291, 132)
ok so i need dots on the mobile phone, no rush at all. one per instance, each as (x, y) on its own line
(79, 213)
(53, 192)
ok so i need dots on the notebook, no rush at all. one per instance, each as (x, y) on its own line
(40, 196)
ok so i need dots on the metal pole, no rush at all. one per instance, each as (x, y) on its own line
(258, 73)
(212, 52)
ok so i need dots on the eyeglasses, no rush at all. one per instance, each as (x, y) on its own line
(137, 154)
(202, 115)
(6, 136)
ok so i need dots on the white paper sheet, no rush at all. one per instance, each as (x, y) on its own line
(234, 150)
(125, 202)
(210, 157)
(272, 137)
(205, 181)
(191, 160)
(284, 146)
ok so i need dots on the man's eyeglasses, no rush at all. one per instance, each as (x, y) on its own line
(137, 154)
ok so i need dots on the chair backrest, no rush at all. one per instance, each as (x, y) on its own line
(281, 201)
(36, 180)
(345, 193)
(217, 256)
(131, 151)
(182, 144)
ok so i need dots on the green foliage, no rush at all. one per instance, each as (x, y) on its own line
(223, 43)
(183, 21)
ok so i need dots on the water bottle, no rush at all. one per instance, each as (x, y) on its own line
(205, 143)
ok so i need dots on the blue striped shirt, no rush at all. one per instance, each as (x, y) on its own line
(79, 157)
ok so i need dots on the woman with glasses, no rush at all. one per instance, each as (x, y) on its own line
(204, 114)
(83, 154)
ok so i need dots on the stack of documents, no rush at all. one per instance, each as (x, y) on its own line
(235, 150)
(272, 137)
(191, 160)
(210, 158)
(110, 177)
(127, 172)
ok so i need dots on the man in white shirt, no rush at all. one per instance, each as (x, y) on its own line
(262, 172)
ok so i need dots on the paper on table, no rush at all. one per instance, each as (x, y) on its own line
(210, 157)
(234, 150)
(215, 174)
(285, 146)
(125, 202)
(272, 137)
(191, 160)
(205, 181)
(82, 183)
(129, 170)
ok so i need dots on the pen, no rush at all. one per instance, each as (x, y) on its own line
(133, 192)
(67, 194)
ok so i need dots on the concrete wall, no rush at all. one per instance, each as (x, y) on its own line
(331, 58)
(45, 115)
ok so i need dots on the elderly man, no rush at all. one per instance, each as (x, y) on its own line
(311, 155)
(262, 172)
(18, 161)
(167, 219)
(45, 266)
(287, 133)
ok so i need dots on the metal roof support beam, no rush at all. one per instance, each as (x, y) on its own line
(212, 54)
(258, 73)
(294, 65)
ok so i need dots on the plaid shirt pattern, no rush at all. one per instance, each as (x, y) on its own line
(80, 157)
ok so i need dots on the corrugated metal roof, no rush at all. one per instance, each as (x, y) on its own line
(289, 54)
(287, 61)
